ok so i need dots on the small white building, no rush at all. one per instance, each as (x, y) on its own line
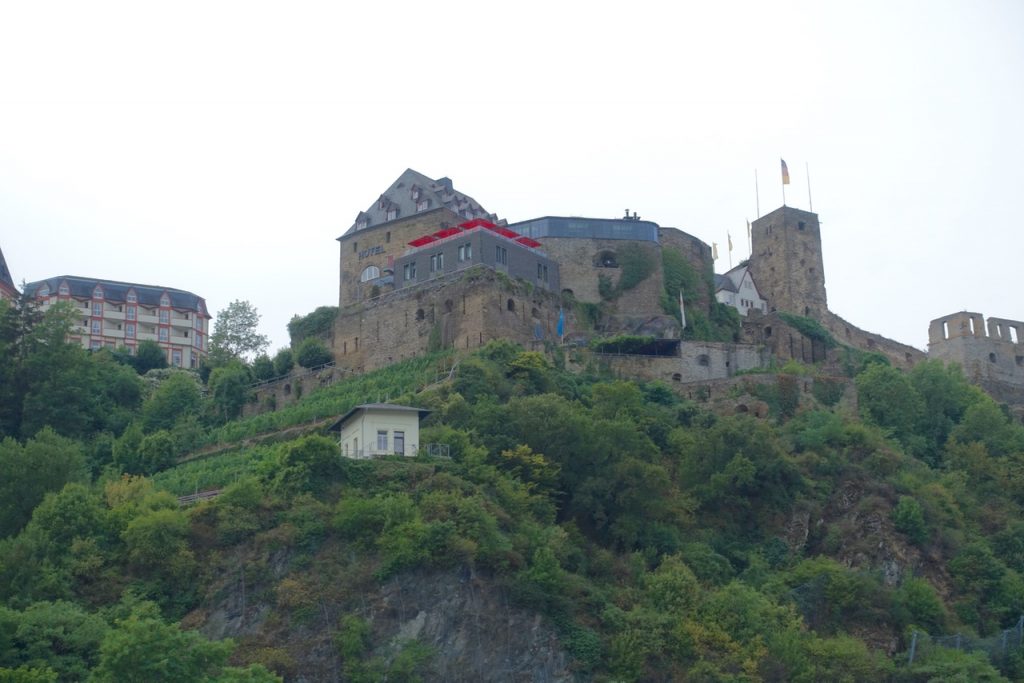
(376, 429)
(737, 289)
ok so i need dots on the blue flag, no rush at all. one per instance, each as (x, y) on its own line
(561, 323)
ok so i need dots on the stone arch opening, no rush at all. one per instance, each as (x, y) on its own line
(742, 408)
(568, 292)
(606, 258)
(420, 314)
(511, 305)
(991, 358)
(535, 313)
(449, 306)
(677, 377)
(287, 389)
(704, 360)
(768, 331)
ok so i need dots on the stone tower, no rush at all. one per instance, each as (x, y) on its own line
(786, 262)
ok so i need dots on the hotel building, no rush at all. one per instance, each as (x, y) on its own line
(115, 314)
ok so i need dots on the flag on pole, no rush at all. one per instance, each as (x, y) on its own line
(561, 323)
(785, 172)
(714, 251)
(748, 230)
(729, 237)
(682, 312)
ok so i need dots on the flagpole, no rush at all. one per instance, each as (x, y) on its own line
(757, 196)
(810, 203)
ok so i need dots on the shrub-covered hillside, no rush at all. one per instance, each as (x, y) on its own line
(583, 528)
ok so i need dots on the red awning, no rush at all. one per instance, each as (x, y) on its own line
(476, 223)
(420, 241)
(528, 241)
(447, 232)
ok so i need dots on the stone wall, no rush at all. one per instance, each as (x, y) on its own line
(461, 311)
(581, 265)
(900, 355)
(697, 254)
(992, 355)
(697, 362)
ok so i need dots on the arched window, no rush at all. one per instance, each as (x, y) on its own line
(510, 305)
(606, 259)
(370, 273)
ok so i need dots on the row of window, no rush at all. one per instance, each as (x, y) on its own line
(382, 443)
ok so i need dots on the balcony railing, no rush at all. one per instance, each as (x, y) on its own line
(367, 453)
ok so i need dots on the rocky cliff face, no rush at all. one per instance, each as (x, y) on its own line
(465, 623)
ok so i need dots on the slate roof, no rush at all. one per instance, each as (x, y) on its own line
(730, 282)
(148, 295)
(408, 191)
(392, 407)
(6, 281)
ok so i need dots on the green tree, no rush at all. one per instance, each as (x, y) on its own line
(149, 356)
(283, 362)
(45, 463)
(887, 398)
(177, 396)
(229, 389)
(144, 649)
(234, 333)
(263, 368)
(316, 324)
(312, 352)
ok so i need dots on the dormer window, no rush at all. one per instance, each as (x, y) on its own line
(131, 297)
(423, 205)
(392, 214)
(361, 225)
(63, 290)
(165, 300)
(44, 291)
(97, 293)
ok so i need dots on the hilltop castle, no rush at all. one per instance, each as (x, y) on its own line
(426, 267)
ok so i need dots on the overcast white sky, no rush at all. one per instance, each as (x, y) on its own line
(222, 147)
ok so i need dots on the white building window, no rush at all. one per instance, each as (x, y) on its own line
(392, 214)
(95, 344)
(165, 300)
(423, 205)
(97, 293)
(466, 252)
(399, 443)
(63, 290)
(165, 317)
(382, 441)
(370, 273)
(131, 298)
(436, 263)
(409, 271)
(130, 313)
(96, 327)
(44, 291)
(97, 309)
(163, 334)
(501, 255)
(129, 330)
(176, 358)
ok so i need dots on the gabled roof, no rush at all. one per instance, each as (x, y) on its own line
(148, 295)
(732, 279)
(407, 193)
(391, 407)
(6, 281)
